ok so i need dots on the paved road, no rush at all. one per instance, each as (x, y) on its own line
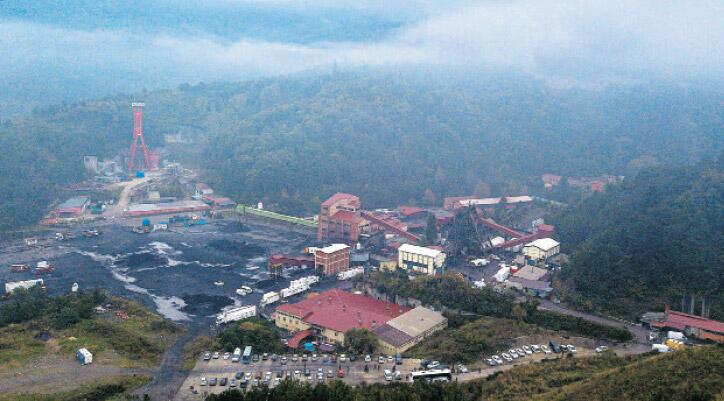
(640, 334)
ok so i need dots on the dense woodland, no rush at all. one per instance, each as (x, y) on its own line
(290, 142)
(648, 241)
(694, 374)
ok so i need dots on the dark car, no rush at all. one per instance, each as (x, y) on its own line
(255, 358)
(222, 382)
(274, 357)
(264, 356)
(239, 375)
(307, 372)
(352, 357)
(212, 381)
(334, 358)
(555, 347)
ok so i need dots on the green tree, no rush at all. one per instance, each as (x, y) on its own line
(431, 230)
(360, 341)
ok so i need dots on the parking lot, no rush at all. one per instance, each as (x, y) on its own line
(276, 371)
(323, 368)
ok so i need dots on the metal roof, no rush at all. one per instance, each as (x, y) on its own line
(420, 250)
(545, 244)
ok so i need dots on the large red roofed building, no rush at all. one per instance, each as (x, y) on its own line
(692, 325)
(340, 220)
(332, 313)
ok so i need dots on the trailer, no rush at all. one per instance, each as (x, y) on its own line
(350, 273)
(269, 298)
(298, 286)
(14, 285)
(236, 314)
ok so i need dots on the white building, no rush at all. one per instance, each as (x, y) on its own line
(420, 259)
(542, 249)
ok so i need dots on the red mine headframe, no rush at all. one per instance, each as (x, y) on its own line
(138, 133)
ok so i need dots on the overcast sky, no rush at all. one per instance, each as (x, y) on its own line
(125, 45)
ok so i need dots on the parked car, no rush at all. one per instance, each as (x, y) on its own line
(204, 381)
(388, 375)
(352, 357)
(207, 356)
(212, 381)
(513, 354)
(342, 357)
(227, 355)
(490, 362)
(433, 365)
(216, 355)
(314, 357)
(571, 348)
(340, 373)
(222, 382)
(368, 358)
(239, 375)
(462, 368)
(398, 359)
(498, 360)
(555, 347)
(264, 356)
(507, 357)
(283, 360)
(535, 348)
(295, 357)
(274, 357)
(255, 358)
(545, 349)
(330, 374)
(601, 348)
(527, 350)
(381, 359)
(520, 352)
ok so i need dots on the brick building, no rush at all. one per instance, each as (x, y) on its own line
(340, 220)
(332, 259)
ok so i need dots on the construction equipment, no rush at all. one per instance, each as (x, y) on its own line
(138, 134)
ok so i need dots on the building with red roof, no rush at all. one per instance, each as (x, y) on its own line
(692, 325)
(340, 220)
(332, 313)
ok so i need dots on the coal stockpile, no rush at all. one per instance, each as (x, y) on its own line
(240, 249)
(205, 305)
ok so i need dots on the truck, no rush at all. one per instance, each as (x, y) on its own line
(298, 286)
(502, 273)
(236, 357)
(236, 314)
(350, 273)
(43, 267)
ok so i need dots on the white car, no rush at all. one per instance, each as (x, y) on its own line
(490, 362)
(527, 350)
(535, 348)
(513, 354)
(203, 381)
(462, 368)
(520, 352)
(507, 357)
(216, 355)
(497, 359)
(571, 348)
(368, 358)
(432, 365)
(227, 355)
(545, 349)
(602, 348)
(342, 357)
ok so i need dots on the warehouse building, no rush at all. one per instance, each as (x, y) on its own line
(409, 329)
(420, 259)
(332, 259)
(329, 315)
(73, 207)
(542, 249)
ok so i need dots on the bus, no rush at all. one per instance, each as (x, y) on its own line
(246, 357)
(432, 376)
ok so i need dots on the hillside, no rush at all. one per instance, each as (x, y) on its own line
(647, 241)
(293, 141)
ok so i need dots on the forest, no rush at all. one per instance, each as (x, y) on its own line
(647, 242)
(292, 141)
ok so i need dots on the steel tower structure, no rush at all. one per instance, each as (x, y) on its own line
(138, 134)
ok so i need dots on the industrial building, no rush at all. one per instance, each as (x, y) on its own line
(542, 249)
(148, 209)
(693, 326)
(332, 259)
(71, 208)
(329, 315)
(340, 220)
(409, 329)
(420, 259)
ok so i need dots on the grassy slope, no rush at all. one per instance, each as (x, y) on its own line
(471, 340)
(102, 390)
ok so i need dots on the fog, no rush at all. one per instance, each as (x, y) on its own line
(85, 50)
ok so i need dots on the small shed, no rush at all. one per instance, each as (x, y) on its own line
(84, 356)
